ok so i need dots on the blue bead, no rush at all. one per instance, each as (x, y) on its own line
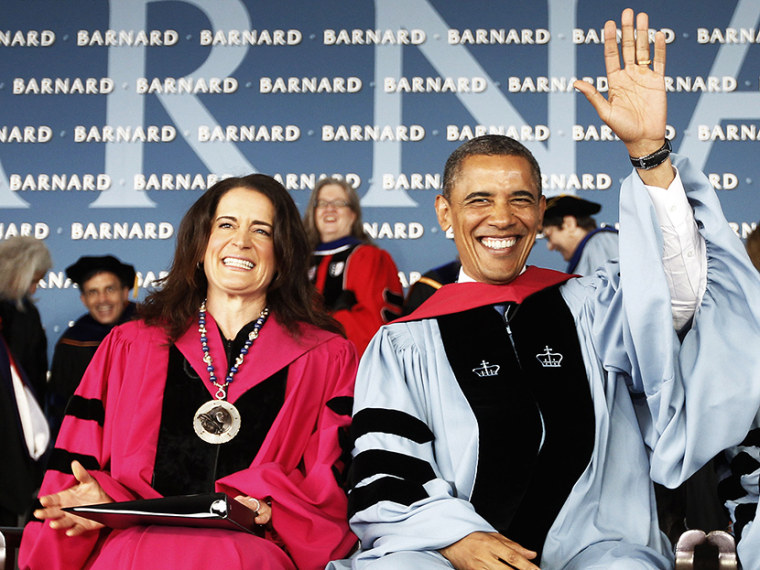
(210, 368)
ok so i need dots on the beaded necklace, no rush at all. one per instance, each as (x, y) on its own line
(221, 393)
(218, 421)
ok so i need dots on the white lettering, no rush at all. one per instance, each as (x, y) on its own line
(310, 85)
(728, 36)
(30, 38)
(249, 133)
(435, 85)
(373, 37)
(501, 36)
(38, 229)
(118, 231)
(173, 85)
(412, 133)
(28, 134)
(107, 133)
(59, 182)
(395, 230)
(250, 37)
(128, 38)
(523, 132)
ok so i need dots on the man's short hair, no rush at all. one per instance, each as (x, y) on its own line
(584, 222)
(490, 145)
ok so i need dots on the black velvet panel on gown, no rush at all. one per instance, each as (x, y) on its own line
(535, 414)
(186, 464)
(333, 288)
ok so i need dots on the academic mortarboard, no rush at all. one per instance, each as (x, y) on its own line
(569, 205)
(87, 266)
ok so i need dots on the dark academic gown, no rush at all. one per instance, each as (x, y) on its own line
(72, 355)
(23, 332)
(20, 474)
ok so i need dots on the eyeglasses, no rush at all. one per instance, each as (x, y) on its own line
(332, 204)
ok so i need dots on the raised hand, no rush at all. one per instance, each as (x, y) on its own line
(636, 108)
(86, 492)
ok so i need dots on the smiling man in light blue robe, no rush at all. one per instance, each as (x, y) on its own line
(484, 438)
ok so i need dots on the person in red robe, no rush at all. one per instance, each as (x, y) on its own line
(231, 381)
(358, 281)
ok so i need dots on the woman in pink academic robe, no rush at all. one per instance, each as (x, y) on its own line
(235, 327)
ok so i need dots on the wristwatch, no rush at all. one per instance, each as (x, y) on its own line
(655, 159)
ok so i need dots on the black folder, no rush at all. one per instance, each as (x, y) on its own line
(207, 510)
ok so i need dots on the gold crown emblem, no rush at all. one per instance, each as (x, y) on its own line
(486, 369)
(549, 359)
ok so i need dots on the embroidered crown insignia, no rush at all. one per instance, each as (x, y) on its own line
(486, 369)
(549, 359)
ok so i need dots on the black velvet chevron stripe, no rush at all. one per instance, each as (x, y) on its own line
(744, 463)
(392, 298)
(388, 315)
(346, 446)
(744, 514)
(752, 439)
(341, 405)
(86, 409)
(376, 461)
(731, 488)
(390, 421)
(36, 505)
(60, 460)
(384, 489)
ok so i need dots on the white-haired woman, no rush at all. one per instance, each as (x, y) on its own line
(23, 367)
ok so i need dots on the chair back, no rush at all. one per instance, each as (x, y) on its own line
(719, 540)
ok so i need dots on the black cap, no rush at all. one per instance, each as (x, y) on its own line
(569, 205)
(87, 266)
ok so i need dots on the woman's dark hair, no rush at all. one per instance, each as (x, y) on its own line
(290, 296)
(357, 228)
(753, 246)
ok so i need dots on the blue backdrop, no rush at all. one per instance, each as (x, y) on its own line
(117, 115)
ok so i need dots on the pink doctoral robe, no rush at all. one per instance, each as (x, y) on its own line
(294, 465)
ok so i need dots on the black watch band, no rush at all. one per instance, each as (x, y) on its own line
(655, 159)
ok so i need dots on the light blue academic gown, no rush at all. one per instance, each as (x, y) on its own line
(600, 248)
(663, 407)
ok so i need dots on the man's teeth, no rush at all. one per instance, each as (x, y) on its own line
(494, 243)
(241, 263)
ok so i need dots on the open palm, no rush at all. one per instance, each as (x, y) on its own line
(87, 491)
(636, 107)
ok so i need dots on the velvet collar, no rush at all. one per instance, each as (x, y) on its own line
(273, 350)
(457, 297)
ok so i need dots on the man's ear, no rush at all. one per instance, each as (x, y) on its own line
(569, 222)
(443, 212)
